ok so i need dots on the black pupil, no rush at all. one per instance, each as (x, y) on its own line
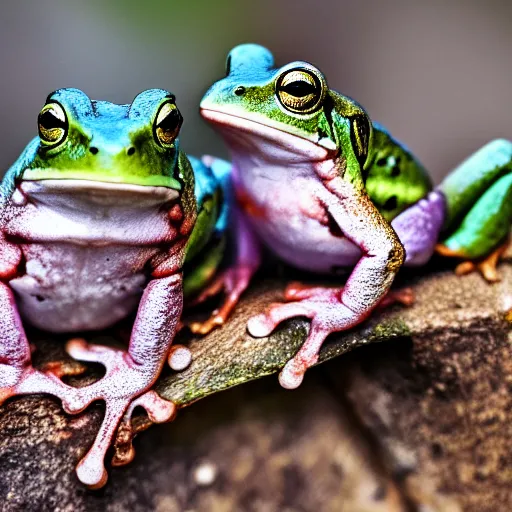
(48, 121)
(299, 88)
(171, 121)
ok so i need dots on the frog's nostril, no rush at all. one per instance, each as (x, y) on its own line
(94, 150)
(239, 90)
(131, 151)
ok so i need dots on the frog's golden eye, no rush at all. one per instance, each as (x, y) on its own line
(167, 124)
(300, 90)
(53, 124)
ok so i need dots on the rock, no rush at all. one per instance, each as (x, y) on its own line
(421, 421)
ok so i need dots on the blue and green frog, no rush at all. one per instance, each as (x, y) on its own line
(99, 216)
(323, 187)
(104, 215)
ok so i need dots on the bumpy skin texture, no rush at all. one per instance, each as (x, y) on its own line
(318, 184)
(96, 219)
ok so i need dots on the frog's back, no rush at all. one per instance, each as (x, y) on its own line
(395, 179)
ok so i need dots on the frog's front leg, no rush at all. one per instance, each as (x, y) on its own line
(332, 310)
(129, 374)
(17, 376)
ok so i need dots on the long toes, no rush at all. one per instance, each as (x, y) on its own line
(75, 404)
(214, 288)
(263, 324)
(64, 368)
(92, 474)
(91, 469)
(489, 273)
(207, 326)
(79, 349)
(260, 326)
(297, 291)
(292, 374)
(158, 409)
(466, 267)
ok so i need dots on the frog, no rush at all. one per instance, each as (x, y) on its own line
(101, 216)
(324, 188)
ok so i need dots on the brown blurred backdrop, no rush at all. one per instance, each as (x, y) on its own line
(436, 72)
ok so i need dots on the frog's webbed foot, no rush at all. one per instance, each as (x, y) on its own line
(233, 282)
(124, 387)
(486, 266)
(327, 313)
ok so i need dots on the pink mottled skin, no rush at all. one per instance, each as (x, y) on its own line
(291, 189)
(299, 189)
(85, 264)
(301, 153)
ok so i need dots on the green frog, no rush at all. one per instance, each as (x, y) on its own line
(99, 217)
(325, 188)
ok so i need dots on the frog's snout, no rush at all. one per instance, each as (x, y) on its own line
(112, 150)
(130, 151)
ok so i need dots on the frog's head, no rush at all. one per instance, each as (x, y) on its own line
(288, 113)
(101, 142)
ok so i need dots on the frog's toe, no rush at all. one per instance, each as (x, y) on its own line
(404, 296)
(486, 266)
(179, 357)
(64, 368)
(91, 469)
(234, 282)
(300, 291)
(263, 324)
(158, 411)
(25, 380)
(292, 374)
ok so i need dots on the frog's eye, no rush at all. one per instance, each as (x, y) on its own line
(300, 90)
(53, 124)
(167, 124)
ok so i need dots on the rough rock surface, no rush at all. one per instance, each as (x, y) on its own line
(422, 421)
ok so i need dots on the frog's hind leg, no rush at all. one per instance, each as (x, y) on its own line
(482, 236)
(419, 226)
(235, 278)
(466, 184)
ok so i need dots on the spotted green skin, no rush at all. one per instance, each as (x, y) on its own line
(478, 193)
(204, 190)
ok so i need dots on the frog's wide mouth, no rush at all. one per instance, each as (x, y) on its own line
(97, 192)
(115, 179)
(236, 127)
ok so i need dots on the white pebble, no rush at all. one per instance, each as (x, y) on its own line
(205, 474)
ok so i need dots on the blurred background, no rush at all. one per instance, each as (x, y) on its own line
(437, 72)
